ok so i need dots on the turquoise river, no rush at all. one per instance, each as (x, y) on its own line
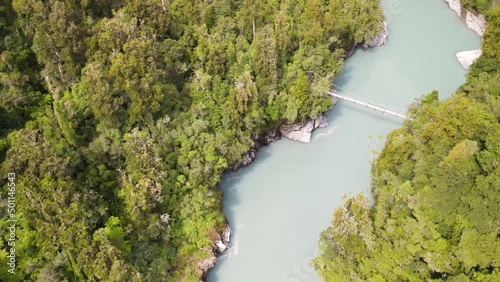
(278, 205)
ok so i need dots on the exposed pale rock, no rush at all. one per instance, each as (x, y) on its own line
(299, 131)
(476, 22)
(302, 132)
(467, 58)
(221, 247)
(380, 39)
(226, 234)
(221, 243)
(456, 6)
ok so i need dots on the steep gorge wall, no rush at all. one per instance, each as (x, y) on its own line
(476, 22)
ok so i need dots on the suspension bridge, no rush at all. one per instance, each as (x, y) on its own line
(340, 93)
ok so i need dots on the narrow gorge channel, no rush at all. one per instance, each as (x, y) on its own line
(278, 205)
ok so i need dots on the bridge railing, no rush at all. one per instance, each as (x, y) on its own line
(341, 93)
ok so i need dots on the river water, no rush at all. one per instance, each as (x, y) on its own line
(278, 205)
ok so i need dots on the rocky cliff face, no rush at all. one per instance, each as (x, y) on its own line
(475, 22)
(220, 243)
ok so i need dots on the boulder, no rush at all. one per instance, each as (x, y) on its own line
(302, 132)
(221, 247)
(467, 58)
(380, 39)
(298, 131)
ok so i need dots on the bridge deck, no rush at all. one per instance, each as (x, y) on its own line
(368, 105)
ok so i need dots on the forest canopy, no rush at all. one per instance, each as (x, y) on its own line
(119, 117)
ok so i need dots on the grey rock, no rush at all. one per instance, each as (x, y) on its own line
(222, 242)
(467, 58)
(220, 246)
(475, 22)
(226, 233)
(380, 39)
(302, 132)
(456, 6)
(298, 131)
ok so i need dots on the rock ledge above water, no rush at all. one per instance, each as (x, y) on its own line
(467, 58)
(302, 131)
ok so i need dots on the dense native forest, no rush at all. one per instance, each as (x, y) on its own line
(119, 117)
(436, 190)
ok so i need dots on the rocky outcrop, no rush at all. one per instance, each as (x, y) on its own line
(380, 39)
(298, 131)
(302, 132)
(475, 22)
(207, 263)
(456, 6)
(467, 58)
(222, 242)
